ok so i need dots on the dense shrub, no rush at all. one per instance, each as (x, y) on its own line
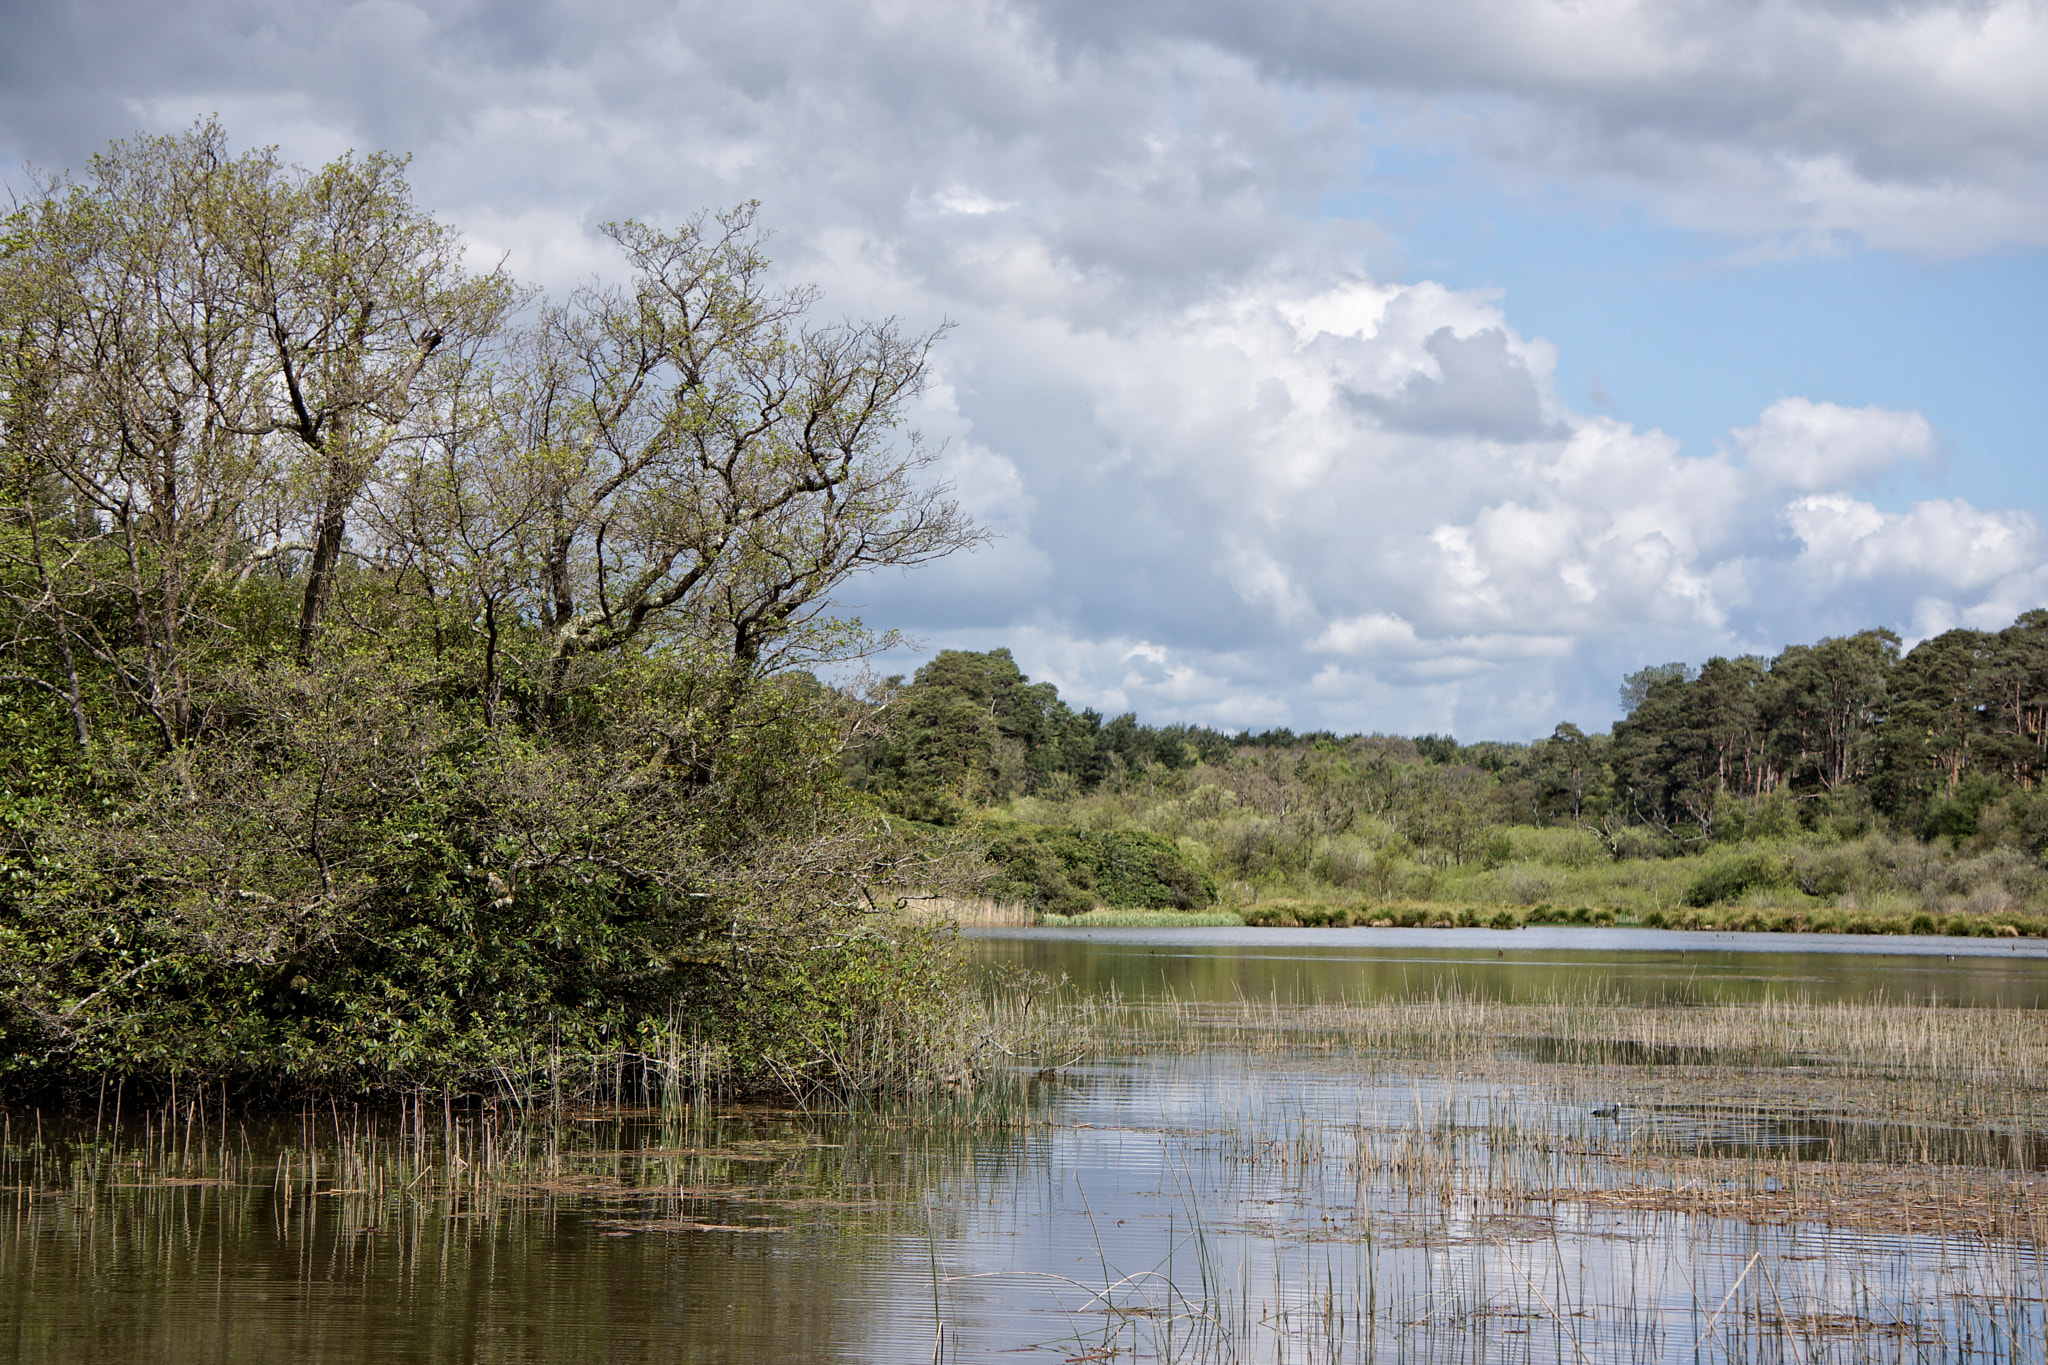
(1069, 871)
(1727, 878)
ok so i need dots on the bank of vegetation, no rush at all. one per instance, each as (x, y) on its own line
(1846, 786)
(407, 677)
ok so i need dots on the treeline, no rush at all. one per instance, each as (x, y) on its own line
(1929, 741)
(971, 730)
(1846, 736)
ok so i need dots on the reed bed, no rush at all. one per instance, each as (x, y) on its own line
(1144, 919)
(1442, 1179)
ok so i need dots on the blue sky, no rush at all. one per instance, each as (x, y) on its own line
(1675, 329)
(1411, 366)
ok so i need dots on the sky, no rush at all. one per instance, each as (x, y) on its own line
(1405, 366)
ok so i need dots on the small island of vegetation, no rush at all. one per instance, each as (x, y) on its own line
(408, 678)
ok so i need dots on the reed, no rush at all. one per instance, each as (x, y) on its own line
(1447, 1178)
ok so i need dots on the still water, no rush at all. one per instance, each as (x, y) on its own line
(1216, 1207)
(1306, 966)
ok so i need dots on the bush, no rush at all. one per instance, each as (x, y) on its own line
(1731, 877)
(1069, 871)
(1827, 871)
(1635, 843)
(1524, 885)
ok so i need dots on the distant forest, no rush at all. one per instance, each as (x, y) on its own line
(1851, 731)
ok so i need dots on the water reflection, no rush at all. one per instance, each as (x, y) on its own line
(1222, 1206)
(754, 1236)
(1256, 1200)
(1641, 966)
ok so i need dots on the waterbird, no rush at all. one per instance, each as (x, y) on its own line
(1611, 1111)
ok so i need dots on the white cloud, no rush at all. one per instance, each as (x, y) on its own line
(1940, 542)
(974, 205)
(1282, 547)
(1235, 478)
(1806, 446)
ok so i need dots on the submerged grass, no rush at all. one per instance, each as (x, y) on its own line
(1878, 1164)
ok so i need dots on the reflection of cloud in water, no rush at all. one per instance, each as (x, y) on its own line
(1646, 965)
(1324, 1214)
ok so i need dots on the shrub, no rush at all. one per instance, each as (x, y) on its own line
(1730, 877)
(1525, 885)
(1637, 843)
(1827, 871)
(1069, 871)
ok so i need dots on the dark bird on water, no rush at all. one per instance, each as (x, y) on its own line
(1612, 1111)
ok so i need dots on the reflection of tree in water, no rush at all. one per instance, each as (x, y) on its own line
(745, 1235)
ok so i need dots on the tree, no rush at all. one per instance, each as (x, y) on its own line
(2015, 694)
(1635, 688)
(449, 676)
(1570, 772)
(209, 355)
(1831, 699)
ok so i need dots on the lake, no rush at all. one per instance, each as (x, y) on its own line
(1305, 965)
(1252, 1197)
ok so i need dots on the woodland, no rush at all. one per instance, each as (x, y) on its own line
(1842, 785)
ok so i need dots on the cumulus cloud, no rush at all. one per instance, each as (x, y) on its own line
(1942, 543)
(1235, 477)
(1252, 486)
(1806, 445)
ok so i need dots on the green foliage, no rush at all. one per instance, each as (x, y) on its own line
(971, 729)
(1728, 877)
(355, 891)
(400, 696)
(1070, 871)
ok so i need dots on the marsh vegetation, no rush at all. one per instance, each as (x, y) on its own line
(1440, 1177)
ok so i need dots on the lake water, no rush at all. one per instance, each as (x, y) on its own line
(1250, 1205)
(1646, 965)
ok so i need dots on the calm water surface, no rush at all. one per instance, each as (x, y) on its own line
(1143, 1208)
(1638, 965)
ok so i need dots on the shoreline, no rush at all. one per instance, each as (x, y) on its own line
(1539, 938)
(1817, 921)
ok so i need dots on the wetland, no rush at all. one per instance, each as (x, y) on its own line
(1203, 1147)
